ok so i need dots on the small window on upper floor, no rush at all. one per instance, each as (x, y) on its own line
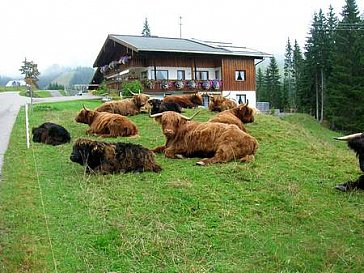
(181, 75)
(144, 75)
(202, 75)
(162, 74)
(240, 75)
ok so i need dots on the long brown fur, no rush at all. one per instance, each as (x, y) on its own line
(219, 103)
(105, 157)
(224, 142)
(185, 101)
(238, 115)
(125, 107)
(106, 124)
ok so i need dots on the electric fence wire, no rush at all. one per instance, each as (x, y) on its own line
(44, 212)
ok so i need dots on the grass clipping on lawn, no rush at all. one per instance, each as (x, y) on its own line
(278, 213)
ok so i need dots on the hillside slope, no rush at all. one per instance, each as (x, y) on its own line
(278, 213)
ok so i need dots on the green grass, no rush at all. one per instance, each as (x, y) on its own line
(279, 213)
(37, 94)
(12, 88)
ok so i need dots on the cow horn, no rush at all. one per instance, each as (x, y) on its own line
(84, 107)
(187, 118)
(348, 137)
(227, 95)
(191, 117)
(156, 115)
(133, 93)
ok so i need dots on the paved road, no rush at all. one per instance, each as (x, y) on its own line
(10, 103)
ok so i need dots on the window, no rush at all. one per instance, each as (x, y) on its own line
(240, 75)
(202, 75)
(181, 75)
(144, 75)
(162, 74)
(217, 75)
(241, 98)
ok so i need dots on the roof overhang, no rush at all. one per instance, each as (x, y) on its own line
(139, 44)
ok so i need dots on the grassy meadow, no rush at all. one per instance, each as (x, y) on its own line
(278, 213)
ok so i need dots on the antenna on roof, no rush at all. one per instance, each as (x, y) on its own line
(180, 27)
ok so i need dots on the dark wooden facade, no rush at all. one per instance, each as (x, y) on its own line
(230, 65)
(227, 65)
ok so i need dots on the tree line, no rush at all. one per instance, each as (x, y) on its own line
(326, 80)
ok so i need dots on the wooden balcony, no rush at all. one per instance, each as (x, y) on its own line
(184, 86)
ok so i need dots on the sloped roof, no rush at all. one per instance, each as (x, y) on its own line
(178, 45)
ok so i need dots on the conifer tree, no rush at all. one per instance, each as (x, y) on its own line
(288, 93)
(272, 84)
(261, 94)
(297, 73)
(312, 97)
(346, 84)
(30, 71)
(146, 29)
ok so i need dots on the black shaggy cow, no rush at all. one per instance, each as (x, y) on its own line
(51, 133)
(159, 106)
(356, 143)
(115, 157)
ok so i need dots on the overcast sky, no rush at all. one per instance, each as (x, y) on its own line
(72, 32)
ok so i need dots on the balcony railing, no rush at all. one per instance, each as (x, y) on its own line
(182, 85)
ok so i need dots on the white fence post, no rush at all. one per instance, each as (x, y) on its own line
(27, 125)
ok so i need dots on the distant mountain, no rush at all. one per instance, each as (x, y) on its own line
(65, 76)
(4, 80)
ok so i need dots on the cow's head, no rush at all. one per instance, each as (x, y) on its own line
(196, 99)
(171, 122)
(91, 153)
(215, 102)
(38, 133)
(155, 103)
(140, 99)
(356, 143)
(244, 113)
(85, 116)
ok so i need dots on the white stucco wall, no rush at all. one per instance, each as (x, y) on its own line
(172, 72)
(250, 96)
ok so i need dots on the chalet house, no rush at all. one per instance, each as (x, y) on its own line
(174, 66)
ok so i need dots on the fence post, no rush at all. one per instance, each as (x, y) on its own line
(27, 125)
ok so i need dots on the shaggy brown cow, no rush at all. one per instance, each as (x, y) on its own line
(185, 101)
(105, 157)
(51, 133)
(237, 115)
(159, 106)
(106, 124)
(219, 103)
(356, 143)
(224, 142)
(125, 107)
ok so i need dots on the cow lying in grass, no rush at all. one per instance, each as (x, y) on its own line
(106, 124)
(51, 133)
(217, 142)
(159, 106)
(185, 101)
(238, 115)
(125, 107)
(356, 143)
(104, 157)
(219, 103)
